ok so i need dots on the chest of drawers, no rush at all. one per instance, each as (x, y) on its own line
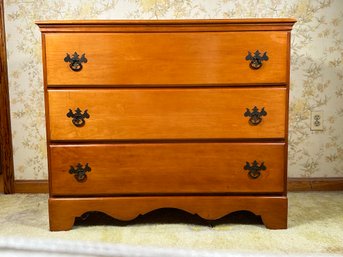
(187, 114)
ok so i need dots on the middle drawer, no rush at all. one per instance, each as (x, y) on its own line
(143, 114)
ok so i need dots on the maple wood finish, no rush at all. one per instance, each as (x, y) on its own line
(63, 210)
(167, 113)
(189, 167)
(167, 118)
(188, 63)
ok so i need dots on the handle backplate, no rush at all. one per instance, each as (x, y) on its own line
(256, 59)
(254, 169)
(80, 172)
(255, 115)
(78, 118)
(75, 61)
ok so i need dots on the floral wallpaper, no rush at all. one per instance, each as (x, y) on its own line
(316, 70)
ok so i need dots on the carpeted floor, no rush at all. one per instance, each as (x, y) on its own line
(315, 226)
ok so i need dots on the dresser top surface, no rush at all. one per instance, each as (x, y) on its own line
(168, 22)
(168, 25)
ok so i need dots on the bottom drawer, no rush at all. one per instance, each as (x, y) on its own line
(174, 168)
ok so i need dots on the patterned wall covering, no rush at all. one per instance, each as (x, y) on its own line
(316, 69)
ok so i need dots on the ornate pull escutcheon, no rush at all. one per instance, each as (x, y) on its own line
(78, 117)
(80, 172)
(255, 115)
(75, 61)
(256, 59)
(254, 169)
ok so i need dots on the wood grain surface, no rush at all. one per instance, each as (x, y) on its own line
(178, 25)
(6, 153)
(272, 209)
(177, 168)
(163, 59)
(122, 114)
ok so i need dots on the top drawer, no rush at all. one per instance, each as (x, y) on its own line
(164, 59)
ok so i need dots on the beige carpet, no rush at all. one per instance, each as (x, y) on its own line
(315, 226)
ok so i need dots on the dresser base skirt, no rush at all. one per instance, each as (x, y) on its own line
(272, 209)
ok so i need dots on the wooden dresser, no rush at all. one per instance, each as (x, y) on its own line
(187, 114)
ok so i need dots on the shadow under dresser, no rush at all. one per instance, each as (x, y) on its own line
(187, 114)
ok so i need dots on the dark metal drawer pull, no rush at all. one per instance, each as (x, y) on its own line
(256, 59)
(80, 172)
(254, 169)
(78, 117)
(255, 115)
(75, 61)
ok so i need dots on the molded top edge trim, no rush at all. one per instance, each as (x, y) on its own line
(249, 21)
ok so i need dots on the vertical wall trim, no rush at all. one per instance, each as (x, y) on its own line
(6, 153)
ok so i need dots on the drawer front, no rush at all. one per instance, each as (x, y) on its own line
(184, 168)
(126, 59)
(122, 114)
